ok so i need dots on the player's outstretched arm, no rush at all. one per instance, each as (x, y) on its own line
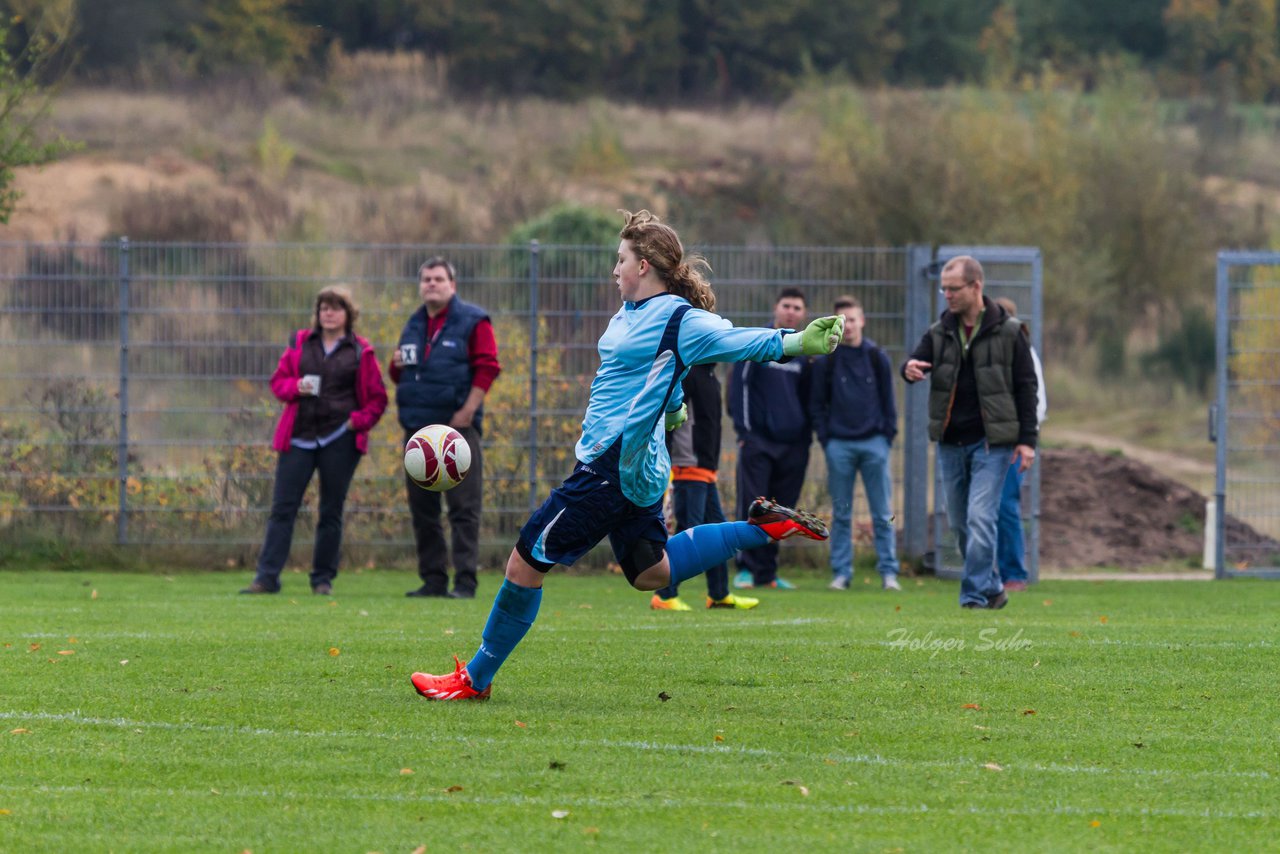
(817, 339)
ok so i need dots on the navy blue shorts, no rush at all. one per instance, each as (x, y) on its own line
(580, 513)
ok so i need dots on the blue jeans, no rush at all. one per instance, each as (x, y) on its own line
(846, 458)
(972, 480)
(1010, 546)
(697, 503)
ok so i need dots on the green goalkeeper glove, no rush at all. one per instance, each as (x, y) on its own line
(675, 419)
(818, 338)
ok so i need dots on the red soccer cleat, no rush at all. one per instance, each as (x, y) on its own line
(451, 686)
(781, 522)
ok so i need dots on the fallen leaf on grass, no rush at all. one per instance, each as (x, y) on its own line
(801, 788)
(124, 661)
(20, 731)
(404, 772)
(1028, 711)
(454, 789)
(719, 738)
(559, 813)
(1074, 634)
(421, 849)
(991, 766)
(5, 812)
(1047, 602)
(663, 696)
(522, 725)
(72, 640)
(334, 651)
(1103, 619)
(1138, 744)
(66, 652)
(974, 706)
(556, 765)
(215, 792)
(33, 647)
(1095, 823)
(93, 595)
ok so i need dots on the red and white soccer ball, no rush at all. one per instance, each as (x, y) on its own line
(437, 457)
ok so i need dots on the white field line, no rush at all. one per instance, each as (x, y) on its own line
(640, 746)
(628, 803)
(968, 634)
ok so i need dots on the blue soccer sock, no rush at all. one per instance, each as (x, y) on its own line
(695, 550)
(514, 610)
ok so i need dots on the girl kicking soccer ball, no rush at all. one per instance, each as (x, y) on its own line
(664, 327)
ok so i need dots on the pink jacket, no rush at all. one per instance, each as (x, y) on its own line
(371, 394)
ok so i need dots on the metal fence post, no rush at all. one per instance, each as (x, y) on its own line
(915, 406)
(1037, 340)
(533, 374)
(1222, 352)
(122, 448)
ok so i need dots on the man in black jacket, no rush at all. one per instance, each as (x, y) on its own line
(445, 363)
(768, 402)
(982, 414)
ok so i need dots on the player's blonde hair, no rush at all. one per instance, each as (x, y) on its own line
(658, 243)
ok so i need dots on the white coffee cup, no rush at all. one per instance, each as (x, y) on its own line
(408, 354)
(311, 384)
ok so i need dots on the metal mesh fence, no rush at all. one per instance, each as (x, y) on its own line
(1247, 417)
(134, 407)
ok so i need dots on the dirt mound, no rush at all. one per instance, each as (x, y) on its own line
(1101, 509)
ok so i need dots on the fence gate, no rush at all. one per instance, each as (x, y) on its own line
(1015, 272)
(1245, 421)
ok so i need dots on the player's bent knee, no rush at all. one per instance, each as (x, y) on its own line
(643, 563)
(519, 571)
(653, 578)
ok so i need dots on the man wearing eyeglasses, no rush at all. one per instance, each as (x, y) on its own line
(982, 414)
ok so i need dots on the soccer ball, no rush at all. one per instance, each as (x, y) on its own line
(437, 457)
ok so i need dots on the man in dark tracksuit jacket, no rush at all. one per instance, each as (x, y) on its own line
(695, 456)
(445, 363)
(982, 414)
(769, 405)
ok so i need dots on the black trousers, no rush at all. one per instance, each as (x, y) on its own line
(465, 504)
(773, 470)
(336, 463)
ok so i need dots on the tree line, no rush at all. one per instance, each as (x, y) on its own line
(674, 50)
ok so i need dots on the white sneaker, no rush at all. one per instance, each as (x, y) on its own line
(839, 583)
(890, 582)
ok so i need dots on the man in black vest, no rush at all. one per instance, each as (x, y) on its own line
(982, 414)
(445, 363)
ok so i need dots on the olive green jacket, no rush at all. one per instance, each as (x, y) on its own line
(1003, 372)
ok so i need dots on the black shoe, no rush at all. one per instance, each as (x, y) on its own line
(425, 592)
(322, 589)
(995, 603)
(258, 587)
(455, 593)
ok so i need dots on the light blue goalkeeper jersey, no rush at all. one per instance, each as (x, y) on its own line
(644, 354)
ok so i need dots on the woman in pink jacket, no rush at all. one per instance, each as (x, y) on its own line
(331, 385)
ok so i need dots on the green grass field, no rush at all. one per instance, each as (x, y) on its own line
(149, 713)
